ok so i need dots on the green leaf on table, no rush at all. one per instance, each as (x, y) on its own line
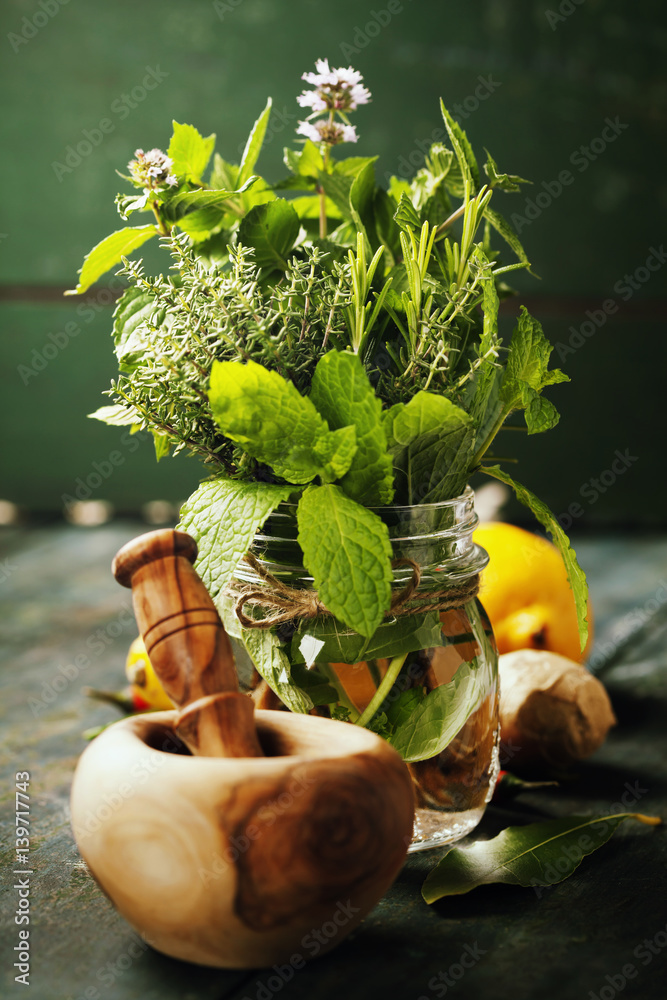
(266, 415)
(189, 152)
(527, 365)
(343, 395)
(436, 720)
(575, 574)
(430, 439)
(110, 252)
(346, 548)
(131, 330)
(272, 662)
(223, 515)
(334, 643)
(254, 144)
(536, 854)
(271, 230)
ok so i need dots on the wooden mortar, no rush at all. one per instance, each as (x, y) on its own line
(225, 836)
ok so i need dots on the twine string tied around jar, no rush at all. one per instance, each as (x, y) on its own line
(282, 603)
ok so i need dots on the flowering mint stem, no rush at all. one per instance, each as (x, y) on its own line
(383, 690)
(160, 222)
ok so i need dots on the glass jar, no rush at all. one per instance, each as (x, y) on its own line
(427, 680)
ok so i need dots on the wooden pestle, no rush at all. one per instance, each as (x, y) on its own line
(187, 644)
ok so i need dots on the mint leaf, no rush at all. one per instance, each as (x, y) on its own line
(527, 373)
(506, 182)
(307, 163)
(406, 215)
(206, 199)
(190, 152)
(271, 230)
(224, 175)
(343, 395)
(346, 548)
(461, 146)
(336, 644)
(541, 414)
(430, 439)
(222, 516)
(116, 416)
(502, 226)
(272, 662)
(109, 252)
(575, 574)
(268, 418)
(254, 144)
(162, 444)
(337, 187)
(361, 198)
(399, 709)
(130, 328)
(436, 720)
(535, 854)
(527, 362)
(202, 223)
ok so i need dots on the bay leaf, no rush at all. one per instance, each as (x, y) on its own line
(537, 854)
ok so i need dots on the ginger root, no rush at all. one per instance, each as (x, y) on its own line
(551, 709)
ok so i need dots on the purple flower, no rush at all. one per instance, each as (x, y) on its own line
(336, 89)
(151, 170)
(330, 132)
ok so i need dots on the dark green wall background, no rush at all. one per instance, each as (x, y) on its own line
(557, 71)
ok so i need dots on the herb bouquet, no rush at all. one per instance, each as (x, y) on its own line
(330, 349)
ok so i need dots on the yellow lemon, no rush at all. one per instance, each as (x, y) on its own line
(526, 594)
(147, 692)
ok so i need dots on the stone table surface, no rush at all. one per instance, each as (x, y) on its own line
(65, 624)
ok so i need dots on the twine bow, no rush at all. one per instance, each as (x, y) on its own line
(286, 604)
